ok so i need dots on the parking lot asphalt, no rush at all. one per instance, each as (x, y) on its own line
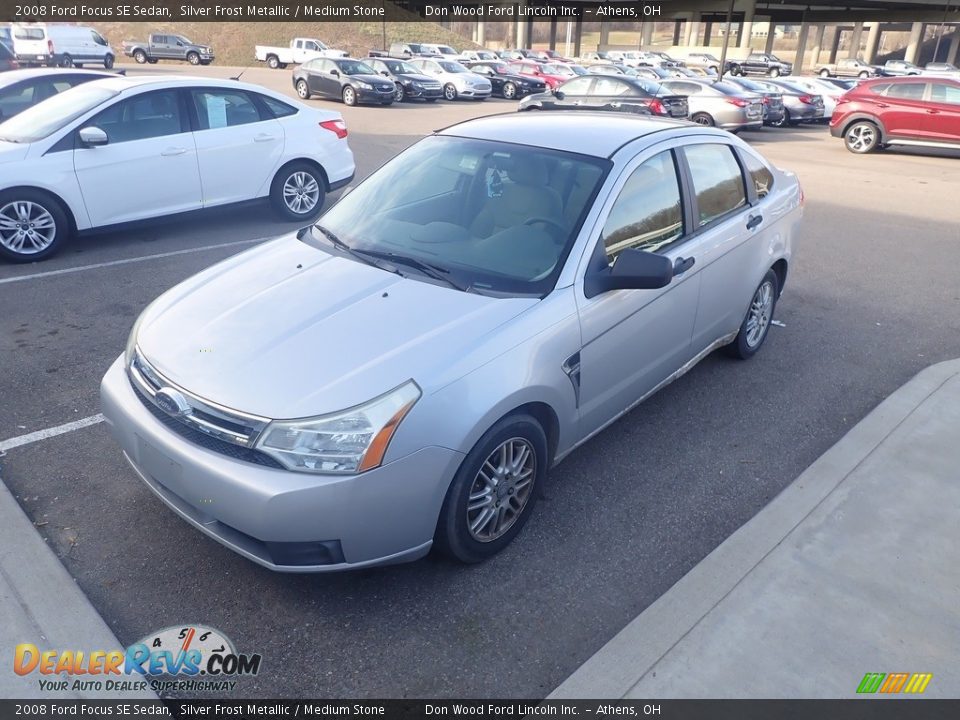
(872, 298)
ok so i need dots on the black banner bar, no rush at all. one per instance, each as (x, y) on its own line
(875, 708)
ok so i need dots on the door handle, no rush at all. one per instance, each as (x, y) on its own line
(882, 105)
(933, 112)
(681, 265)
(754, 221)
(264, 138)
(169, 152)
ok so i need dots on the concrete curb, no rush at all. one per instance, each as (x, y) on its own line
(40, 603)
(620, 665)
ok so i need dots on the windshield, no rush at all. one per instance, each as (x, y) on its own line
(495, 217)
(184, 40)
(453, 67)
(727, 88)
(446, 50)
(397, 66)
(21, 33)
(355, 67)
(748, 84)
(550, 69)
(49, 116)
(564, 70)
(578, 69)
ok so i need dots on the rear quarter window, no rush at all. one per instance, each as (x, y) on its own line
(758, 174)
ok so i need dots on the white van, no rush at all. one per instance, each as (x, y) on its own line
(30, 43)
(76, 45)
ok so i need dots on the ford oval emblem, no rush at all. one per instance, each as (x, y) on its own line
(173, 403)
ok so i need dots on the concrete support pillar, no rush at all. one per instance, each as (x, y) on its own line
(646, 34)
(837, 34)
(855, 40)
(578, 37)
(817, 44)
(954, 47)
(801, 47)
(746, 28)
(692, 34)
(913, 45)
(604, 35)
(707, 33)
(873, 42)
(676, 32)
(553, 33)
(771, 36)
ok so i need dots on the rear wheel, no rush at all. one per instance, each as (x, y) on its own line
(863, 74)
(140, 56)
(756, 324)
(303, 90)
(494, 491)
(297, 191)
(152, 61)
(193, 58)
(33, 225)
(273, 62)
(824, 73)
(349, 96)
(782, 121)
(703, 119)
(862, 137)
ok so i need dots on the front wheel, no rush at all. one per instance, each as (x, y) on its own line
(783, 121)
(193, 58)
(735, 70)
(108, 61)
(450, 91)
(399, 94)
(774, 72)
(863, 74)
(824, 73)
(753, 330)
(140, 56)
(861, 137)
(303, 90)
(297, 191)
(509, 91)
(349, 96)
(494, 491)
(33, 225)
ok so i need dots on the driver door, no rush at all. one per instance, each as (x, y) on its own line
(633, 340)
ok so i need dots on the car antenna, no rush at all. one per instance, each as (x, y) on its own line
(240, 74)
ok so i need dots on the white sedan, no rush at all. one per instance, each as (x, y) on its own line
(126, 149)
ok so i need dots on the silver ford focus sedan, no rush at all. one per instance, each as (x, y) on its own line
(403, 374)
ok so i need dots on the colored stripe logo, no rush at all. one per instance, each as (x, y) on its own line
(893, 683)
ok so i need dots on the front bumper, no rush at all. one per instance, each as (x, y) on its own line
(383, 516)
(471, 92)
(383, 97)
(422, 92)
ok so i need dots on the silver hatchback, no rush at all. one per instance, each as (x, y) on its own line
(404, 373)
(720, 104)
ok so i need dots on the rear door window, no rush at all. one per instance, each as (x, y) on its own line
(224, 108)
(943, 93)
(906, 91)
(717, 181)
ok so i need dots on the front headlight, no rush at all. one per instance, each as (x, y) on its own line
(364, 86)
(132, 340)
(351, 441)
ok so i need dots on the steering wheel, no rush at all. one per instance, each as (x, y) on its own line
(560, 229)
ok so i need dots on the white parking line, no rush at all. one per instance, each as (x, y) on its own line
(127, 261)
(50, 432)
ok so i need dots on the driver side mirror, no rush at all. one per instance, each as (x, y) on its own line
(335, 73)
(558, 94)
(633, 270)
(92, 136)
(385, 73)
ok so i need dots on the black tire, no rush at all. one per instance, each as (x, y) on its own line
(861, 137)
(784, 120)
(399, 94)
(450, 91)
(152, 61)
(273, 62)
(736, 70)
(205, 62)
(108, 61)
(61, 229)
(774, 72)
(742, 347)
(66, 61)
(863, 74)
(824, 73)
(453, 536)
(431, 100)
(140, 56)
(287, 172)
(193, 58)
(349, 95)
(702, 118)
(509, 91)
(303, 89)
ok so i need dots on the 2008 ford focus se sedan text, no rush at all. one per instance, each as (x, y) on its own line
(403, 374)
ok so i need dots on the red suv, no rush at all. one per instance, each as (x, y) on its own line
(542, 71)
(912, 110)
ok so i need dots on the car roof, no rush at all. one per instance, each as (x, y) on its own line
(121, 83)
(13, 76)
(599, 134)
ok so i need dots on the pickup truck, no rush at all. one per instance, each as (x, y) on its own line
(299, 51)
(849, 68)
(168, 47)
(759, 64)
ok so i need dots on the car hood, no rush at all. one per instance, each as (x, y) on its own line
(415, 77)
(287, 330)
(12, 152)
(372, 79)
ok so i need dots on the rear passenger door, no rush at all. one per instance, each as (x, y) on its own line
(148, 168)
(904, 109)
(239, 144)
(942, 123)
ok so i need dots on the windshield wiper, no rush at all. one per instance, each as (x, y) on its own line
(341, 245)
(429, 269)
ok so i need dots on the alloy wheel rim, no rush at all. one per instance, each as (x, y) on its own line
(758, 320)
(348, 96)
(301, 192)
(450, 92)
(26, 228)
(509, 91)
(302, 89)
(398, 93)
(860, 138)
(501, 490)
